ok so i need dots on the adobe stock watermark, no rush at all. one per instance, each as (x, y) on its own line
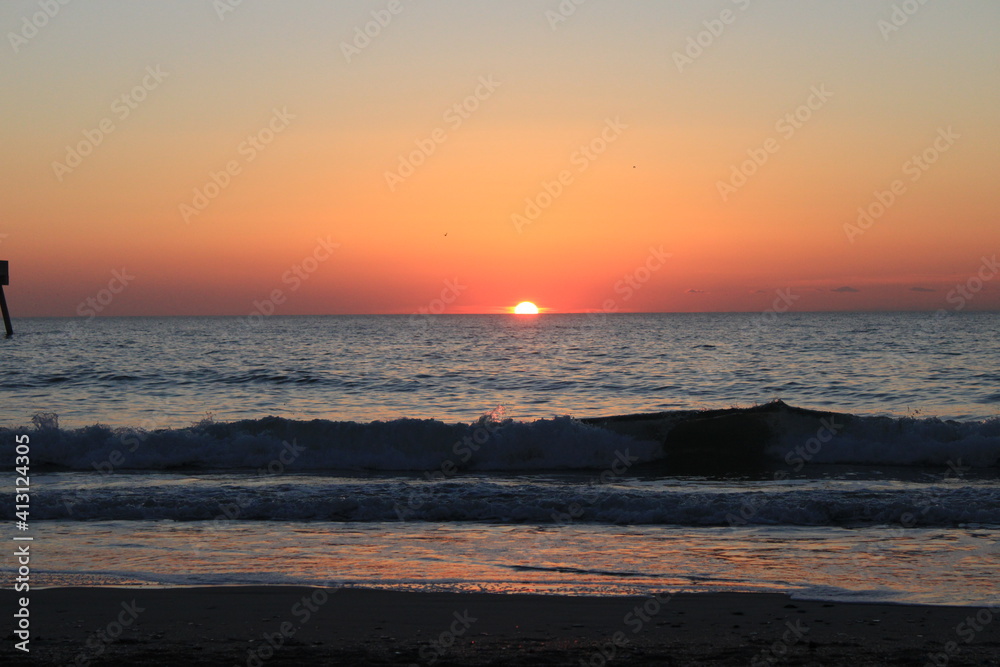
(911, 518)
(635, 620)
(636, 279)
(438, 648)
(92, 305)
(302, 611)
(966, 291)
(449, 294)
(754, 330)
(363, 35)
(796, 458)
(562, 12)
(30, 26)
(929, 331)
(99, 641)
(696, 45)
(794, 634)
(786, 127)
(454, 116)
(121, 108)
(130, 442)
(914, 168)
(296, 275)
(223, 7)
(232, 511)
(581, 158)
(621, 464)
(763, 321)
(248, 150)
(899, 17)
(463, 450)
(967, 631)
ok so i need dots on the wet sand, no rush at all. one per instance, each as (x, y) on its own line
(285, 626)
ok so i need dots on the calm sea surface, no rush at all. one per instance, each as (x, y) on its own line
(124, 371)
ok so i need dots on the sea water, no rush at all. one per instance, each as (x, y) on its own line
(445, 453)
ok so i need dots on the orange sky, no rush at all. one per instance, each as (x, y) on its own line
(598, 101)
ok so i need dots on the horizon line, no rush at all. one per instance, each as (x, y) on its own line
(491, 314)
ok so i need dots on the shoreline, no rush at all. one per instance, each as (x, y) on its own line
(277, 625)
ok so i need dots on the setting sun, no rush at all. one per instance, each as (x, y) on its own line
(526, 308)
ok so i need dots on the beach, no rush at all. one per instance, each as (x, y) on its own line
(383, 510)
(299, 625)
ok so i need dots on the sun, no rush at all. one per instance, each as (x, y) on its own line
(526, 308)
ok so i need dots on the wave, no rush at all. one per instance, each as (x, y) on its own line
(274, 443)
(773, 434)
(898, 441)
(776, 434)
(941, 504)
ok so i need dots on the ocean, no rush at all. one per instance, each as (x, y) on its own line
(448, 453)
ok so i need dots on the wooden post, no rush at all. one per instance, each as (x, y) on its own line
(5, 280)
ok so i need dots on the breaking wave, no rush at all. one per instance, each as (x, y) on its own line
(491, 443)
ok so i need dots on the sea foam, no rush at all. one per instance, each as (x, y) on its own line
(488, 444)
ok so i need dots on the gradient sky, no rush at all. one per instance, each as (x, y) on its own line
(655, 186)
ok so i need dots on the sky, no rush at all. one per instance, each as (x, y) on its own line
(204, 157)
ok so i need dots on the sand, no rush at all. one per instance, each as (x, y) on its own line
(306, 626)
